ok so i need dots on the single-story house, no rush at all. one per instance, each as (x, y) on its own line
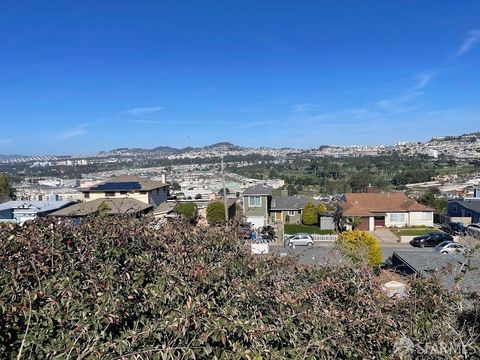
(464, 208)
(118, 206)
(379, 210)
(445, 267)
(21, 211)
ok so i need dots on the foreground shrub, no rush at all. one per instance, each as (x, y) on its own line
(118, 288)
(360, 246)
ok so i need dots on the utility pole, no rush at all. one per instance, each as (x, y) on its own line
(224, 192)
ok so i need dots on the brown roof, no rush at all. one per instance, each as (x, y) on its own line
(366, 204)
(145, 184)
(117, 206)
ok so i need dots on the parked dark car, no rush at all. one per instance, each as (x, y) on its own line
(454, 228)
(430, 239)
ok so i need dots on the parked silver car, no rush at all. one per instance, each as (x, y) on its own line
(300, 239)
(474, 230)
(449, 247)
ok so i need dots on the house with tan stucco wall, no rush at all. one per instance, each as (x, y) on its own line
(383, 210)
(147, 191)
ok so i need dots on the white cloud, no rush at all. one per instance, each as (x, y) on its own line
(473, 38)
(143, 110)
(68, 134)
(423, 80)
(302, 107)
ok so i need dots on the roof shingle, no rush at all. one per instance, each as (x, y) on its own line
(367, 204)
(117, 206)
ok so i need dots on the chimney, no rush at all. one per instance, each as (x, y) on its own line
(164, 178)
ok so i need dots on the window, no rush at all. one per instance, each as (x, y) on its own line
(254, 201)
(399, 218)
(109, 193)
(143, 192)
(423, 216)
(86, 195)
(454, 208)
(469, 214)
(291, 212)
(123, 192)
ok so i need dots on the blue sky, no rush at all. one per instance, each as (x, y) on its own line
(83, 76)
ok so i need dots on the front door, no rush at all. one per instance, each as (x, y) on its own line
(379, 221)
(278, 216)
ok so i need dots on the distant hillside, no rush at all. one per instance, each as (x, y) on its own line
(168, 150)
(7, 157)
(465, 137)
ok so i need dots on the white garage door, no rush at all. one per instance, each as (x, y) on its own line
(257, 221)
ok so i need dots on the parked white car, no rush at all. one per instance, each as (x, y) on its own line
(449, 247)
(300, 239)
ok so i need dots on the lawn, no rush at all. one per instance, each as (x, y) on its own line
(414, 232)
(294, 228)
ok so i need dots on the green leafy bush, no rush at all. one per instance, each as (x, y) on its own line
(216, 212)
(116, 287)
(187, 210)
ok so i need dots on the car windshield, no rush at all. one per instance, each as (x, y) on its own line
(445, 243)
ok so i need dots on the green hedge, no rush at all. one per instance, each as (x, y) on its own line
(415, 232)
(294, 228)
(118, 288)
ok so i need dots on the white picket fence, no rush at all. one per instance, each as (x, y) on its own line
(325, 238)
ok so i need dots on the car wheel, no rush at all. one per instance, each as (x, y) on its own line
(290, 244)
(422, 245)
(310, 244)
(444, 252)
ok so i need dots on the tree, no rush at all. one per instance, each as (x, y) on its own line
(291, 190)
(309, 214)
(6, 190)
(220, 192)
(187, 210)
(311, 211)
(103, 209)
(360, 246)
(216, 213)
(198, 196)
(431, 199)
(321, 208)
(359, 181)
(354, 221)
(175, 186)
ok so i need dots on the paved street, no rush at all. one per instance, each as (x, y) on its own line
(325, 252)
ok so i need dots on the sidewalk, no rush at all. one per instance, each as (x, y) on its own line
(385, 236)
